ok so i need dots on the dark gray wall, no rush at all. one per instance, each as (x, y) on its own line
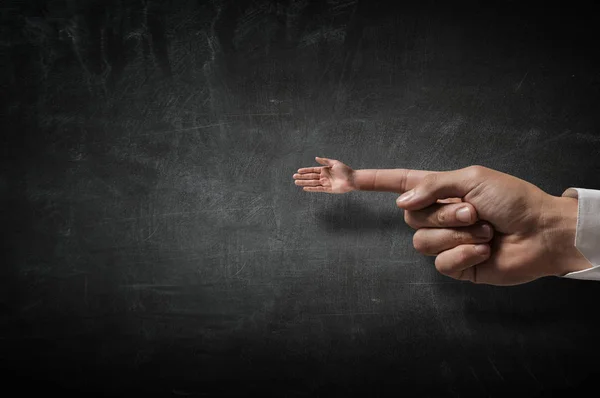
(154, 241)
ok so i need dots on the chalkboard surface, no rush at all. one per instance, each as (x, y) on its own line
(154, 242)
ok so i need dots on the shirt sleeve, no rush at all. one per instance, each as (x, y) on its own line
(587, 235)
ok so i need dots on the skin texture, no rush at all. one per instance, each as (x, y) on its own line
(513, 232)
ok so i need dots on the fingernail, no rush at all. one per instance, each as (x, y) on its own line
(463, 214)
(405, 197)
(481, 249)
(484, 231)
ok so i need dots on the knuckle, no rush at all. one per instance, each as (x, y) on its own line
(419, 243)
(462, 256)
(403, 176)
(476, 171)
(441, 217)
(456, 236)
(440, 266)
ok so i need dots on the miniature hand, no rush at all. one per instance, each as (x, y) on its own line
(334, 177)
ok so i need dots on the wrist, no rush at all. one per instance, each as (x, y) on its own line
(363, 180)
(560, 229)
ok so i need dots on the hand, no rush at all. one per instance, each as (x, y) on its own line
(334, 177)
(535, 231)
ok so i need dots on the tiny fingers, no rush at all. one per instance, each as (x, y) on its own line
(307, 176)
(315, 189)
(307, 183)
(310, 170)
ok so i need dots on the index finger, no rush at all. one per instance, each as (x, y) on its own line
(413, 177)
(310, 169)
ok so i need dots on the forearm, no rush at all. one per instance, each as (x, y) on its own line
(386, 180)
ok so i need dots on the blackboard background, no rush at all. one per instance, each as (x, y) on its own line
(154, 243)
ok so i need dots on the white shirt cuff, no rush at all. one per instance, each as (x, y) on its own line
(587, 235)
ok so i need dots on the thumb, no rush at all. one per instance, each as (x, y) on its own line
(324, 161)
(440, 185)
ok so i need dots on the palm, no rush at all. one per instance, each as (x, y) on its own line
(334, 177)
